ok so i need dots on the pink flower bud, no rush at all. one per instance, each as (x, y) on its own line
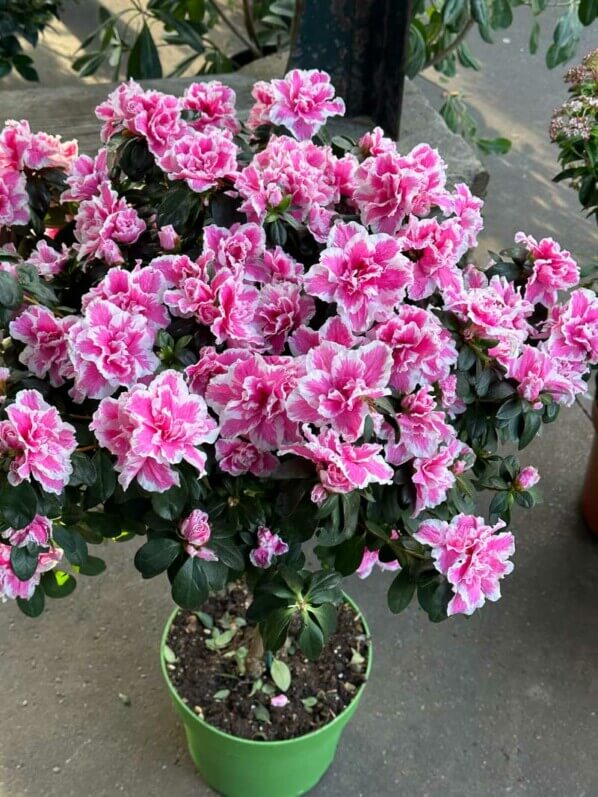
(527, 478)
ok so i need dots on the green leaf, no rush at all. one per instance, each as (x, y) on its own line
(434, 598)
(170, 504)
(105, 483)
(58, 584)
(588, 11)
(35, 605)
(500, 503)
(326, 616)
(281, 675)
(190, 586)
(534, 37)
(502, 14)
(169, 655)
(11, 293)
(18, 504)
(84, 471)
(92, 566)
(274, 628)
(23, 561)
(73, 545)
(156, 556)
(324, 587)
(451, 11)
(144, 59)
(228, 554)
(261, 713)
(400, 592)
(494, 146)
(510, 409)
(311, 639)
(531, 426)
(221, 694)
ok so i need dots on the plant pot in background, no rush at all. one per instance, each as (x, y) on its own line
(237, 767)
(589, 500)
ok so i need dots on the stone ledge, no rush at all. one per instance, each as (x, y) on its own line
(69, 111)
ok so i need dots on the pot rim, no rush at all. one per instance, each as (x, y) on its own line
(250, 742)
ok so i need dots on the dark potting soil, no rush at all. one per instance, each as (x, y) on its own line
(215, 684)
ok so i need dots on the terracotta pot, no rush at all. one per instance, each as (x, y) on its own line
(589, 499)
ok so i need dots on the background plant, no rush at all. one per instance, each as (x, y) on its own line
(23, 21)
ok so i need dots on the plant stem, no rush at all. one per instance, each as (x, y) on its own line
(452, 46)
(250, 27)
(231, 26)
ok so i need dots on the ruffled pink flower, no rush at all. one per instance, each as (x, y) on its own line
(109, 348)
(537, 371)
(450, 400)
(303, 101)
(422, 429)
(472, 556)
(281, 309)
(366, 276)
(85, 177)
(39, 442)
(14, 201)
(371, 559)
(340, 386)
(376, 143)
(238, 248)
(196, 531)
(238, 456)
(215, 105)
(251, 400)
(169, 238)
(276, 265)
(46, 349)
(139, 292)
(11, 586)
(150, 429)
(269, 545)
(102, 223)
(574, 328)
(437, 248)
(38, 531)
(433, 478)
(553, 270)
(301, 171)
(422, 350)
(47, 260)
(235, 317)
(21, 149)
(527, 478)
(193, 294)
(334, 330)
(212, 363)
(259, 114)
(202, 160)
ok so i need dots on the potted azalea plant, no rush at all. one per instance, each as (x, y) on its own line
(261, 353)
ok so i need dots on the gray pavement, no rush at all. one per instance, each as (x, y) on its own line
(504, 703)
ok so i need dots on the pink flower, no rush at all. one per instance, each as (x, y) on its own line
(341, 467)
(109, 348)
(39, 442)
(195, 529)
(235, 318)
(269, 545)
(303, 101)
(536, 371)
(574, 328)
(365, 275)
(433, 478)
(48, 261)
(375, 143)
(21, 149)
(276, 265)
(554, 270)
(239, 456)
(437, 248)
(467, 209)
(38, 531)
(192, 294)
(472, 556)
(279, 701)
(124, 108)
(259, 114)
(422, 350)
(203, 160)
(14, 202)
(237, 248)
(281, 309)
(251, 400)
(139, 292)
(371, 559)
(45, 336)
(169, 238)
(340, 386)
(422, 429)
(334, 330)
(215, 105)
(102, 223)
(527, 478)
(212, 363)
(150, 429)
(11, 586)
(85, 177)
(451, 402)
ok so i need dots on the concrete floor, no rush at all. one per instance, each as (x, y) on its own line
(504, 703)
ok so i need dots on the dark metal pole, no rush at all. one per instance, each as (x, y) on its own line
(363, 45)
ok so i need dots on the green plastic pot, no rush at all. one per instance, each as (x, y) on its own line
(237, 767)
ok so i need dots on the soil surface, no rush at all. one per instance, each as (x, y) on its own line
(216, 685)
